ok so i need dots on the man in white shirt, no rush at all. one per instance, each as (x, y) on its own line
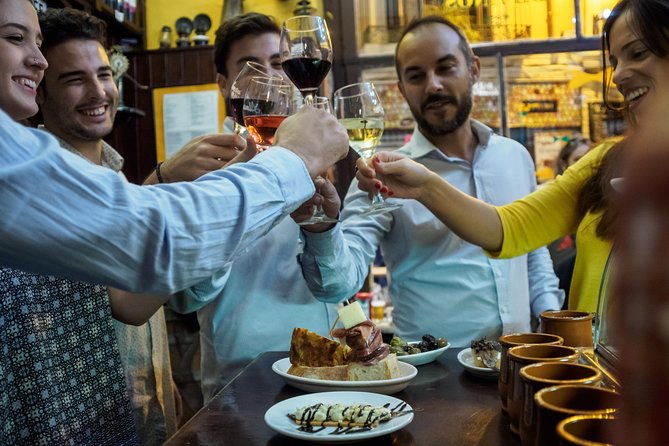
(439, 284)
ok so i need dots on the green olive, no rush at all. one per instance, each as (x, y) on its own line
(441, 342)
(397, 341)
(415, 351)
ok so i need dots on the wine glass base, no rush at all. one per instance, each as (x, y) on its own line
(316, 219)
(382, 208)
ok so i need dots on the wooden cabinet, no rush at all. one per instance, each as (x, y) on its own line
(125, 18)
(135, 136)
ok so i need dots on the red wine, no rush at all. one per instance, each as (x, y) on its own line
(306, 73)
(263, 127)
(237, 105)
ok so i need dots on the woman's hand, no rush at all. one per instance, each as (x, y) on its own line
(393, 175)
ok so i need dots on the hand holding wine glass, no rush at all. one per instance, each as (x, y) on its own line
(358, 108)
(319, 216)
(306, 53)
(267, 102)
(238, 89)
(315, 136)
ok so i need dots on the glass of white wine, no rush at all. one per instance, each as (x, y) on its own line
(358, 108)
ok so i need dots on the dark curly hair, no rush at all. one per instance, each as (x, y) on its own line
(237, 28)
(62, 24)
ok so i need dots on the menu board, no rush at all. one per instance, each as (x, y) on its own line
(182, 113)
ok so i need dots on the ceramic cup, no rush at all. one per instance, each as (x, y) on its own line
(535, 377)
(575, 327)
(556, 403)
(521, 356)
(511, 340)
(587, 430)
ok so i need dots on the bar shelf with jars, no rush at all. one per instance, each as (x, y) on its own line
(129, 14)
(516, 45)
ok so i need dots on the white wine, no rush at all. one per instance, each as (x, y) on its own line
(363, 134)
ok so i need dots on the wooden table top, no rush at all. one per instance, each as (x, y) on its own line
(455, 408)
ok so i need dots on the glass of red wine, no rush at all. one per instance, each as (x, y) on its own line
(238, 89)
(267, 102)
(306, 53)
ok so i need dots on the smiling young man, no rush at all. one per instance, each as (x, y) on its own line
(78, 99)
(439, 283)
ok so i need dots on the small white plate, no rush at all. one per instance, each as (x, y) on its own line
(425, 357)
(466, 358)
(276, 416)
(385, 386)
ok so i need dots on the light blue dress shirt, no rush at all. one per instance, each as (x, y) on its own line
(254, 308)
(61, 215)
(440, 284)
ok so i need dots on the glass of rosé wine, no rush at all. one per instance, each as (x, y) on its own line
(267, 102)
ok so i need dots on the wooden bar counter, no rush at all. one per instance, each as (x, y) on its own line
(453, 408)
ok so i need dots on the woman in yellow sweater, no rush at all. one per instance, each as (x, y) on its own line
(636, 44)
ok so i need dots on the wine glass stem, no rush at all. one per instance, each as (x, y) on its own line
(378, 199)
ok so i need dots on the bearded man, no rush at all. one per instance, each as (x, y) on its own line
(439, 284)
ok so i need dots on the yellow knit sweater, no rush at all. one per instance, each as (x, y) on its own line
(550, 213)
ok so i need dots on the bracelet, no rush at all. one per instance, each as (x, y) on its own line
(158, 175)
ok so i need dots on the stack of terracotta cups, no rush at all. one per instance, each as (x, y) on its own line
(541, 381)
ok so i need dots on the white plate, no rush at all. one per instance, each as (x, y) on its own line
(277, 416)
(425, 357)
(385, 386)
(466, 358)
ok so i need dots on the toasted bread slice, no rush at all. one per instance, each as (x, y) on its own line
(309, 349)
(333, 373)
(387, 368)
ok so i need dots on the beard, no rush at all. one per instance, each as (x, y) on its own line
(463, 105)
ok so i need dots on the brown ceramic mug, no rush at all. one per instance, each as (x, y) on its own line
(556, 403)
(587, 430)
(511, 340)
(535, 377)
(575, 327)
(521, 356)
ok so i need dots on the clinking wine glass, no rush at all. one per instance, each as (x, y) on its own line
(238, 89)
(358, 108)
(267, 102)
(319, 216)
(306, 53)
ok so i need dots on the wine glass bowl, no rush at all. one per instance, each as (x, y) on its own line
(306, 53)
(267, 102)
(240, 84)
(358, 108)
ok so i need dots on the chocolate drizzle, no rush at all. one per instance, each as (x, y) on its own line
(350, 417)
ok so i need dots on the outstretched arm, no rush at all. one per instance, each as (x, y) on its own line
(394, 175)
